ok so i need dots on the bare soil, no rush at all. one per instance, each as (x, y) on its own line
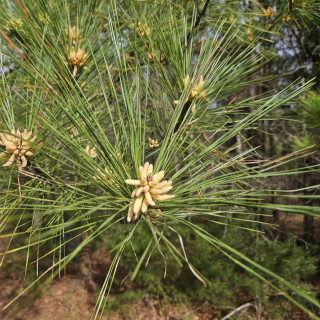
(73, 296)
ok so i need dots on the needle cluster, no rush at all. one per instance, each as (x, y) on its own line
(148, 190)
(108, 175)
(17, 144)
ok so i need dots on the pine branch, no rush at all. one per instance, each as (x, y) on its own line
(229, 315)
(199, 17)
(185, 109)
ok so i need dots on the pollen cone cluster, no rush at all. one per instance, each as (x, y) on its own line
(286, 18)
(153, 56)
(148, 190)
(14, 24)
(196, 90)
(195, 93)
(77, 59)
(73, 34)
(142, 28)
(153, 143)
(91, 152)
(18, 145)
(269, 12)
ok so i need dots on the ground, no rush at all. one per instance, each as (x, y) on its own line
(73, 295)
(67, 299)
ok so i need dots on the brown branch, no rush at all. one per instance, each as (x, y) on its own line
(291, 5)
(184, 111)
(26, 15)
(199, 17)
(315, 50)
(298, 68)
(246, 305)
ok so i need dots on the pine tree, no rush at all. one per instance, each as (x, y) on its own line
(133, 112)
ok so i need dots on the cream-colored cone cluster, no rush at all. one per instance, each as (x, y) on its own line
(73, 34)
(269, 12)
(148, 190)
(153, 143)
(91, 152)
(196, 90)
(18, 145)
(153, 56)
(195, 93)
(142, 28)
(14, 24)
(286, 18)
(77, 59)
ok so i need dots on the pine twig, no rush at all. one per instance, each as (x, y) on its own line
(185, 109)
(246, 305)
(199, 17)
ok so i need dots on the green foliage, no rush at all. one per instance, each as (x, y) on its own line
(305, 142)
(229, 285)
(310, 109)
